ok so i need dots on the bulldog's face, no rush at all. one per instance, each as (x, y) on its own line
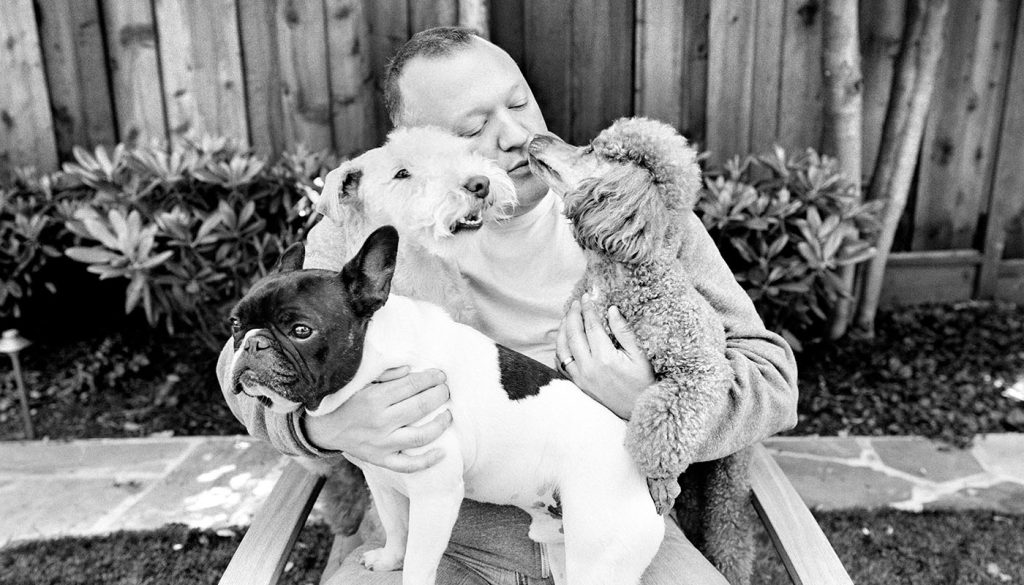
(299, 334)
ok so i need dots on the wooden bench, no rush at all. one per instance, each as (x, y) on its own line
(801, 544)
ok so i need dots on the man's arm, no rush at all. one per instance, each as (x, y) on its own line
(763, 397)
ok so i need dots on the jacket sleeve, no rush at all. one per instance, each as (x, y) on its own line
(284, 431)
(763, 398)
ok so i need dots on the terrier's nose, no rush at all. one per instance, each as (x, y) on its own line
(255, 344)
(478, 186)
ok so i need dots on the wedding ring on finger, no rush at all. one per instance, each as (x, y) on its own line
(565, 363)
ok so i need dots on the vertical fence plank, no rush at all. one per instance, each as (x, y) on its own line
(475, 14)
(957, 154)
(603, 65)
(132, 49)
(731, 37)
(26, 125)
(201, 61)
(353, 111)
(659, 60)
(694, 92)
(548, 54)
(764, 106)
(1004, 234)
(388, 21)
(424, 14)
(76, 71)
(802, 101)
(881, 28)
(306, 92)
(257, 23)
(507, 22)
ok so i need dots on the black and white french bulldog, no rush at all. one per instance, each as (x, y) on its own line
(521, 435)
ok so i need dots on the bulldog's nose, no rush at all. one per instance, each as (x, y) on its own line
(257, 343)
(478, 186)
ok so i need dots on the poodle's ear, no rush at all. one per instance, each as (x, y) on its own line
(341, 189)
(622, 215)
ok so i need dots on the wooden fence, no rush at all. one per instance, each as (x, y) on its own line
(737, 76)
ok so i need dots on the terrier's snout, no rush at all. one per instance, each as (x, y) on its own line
(478, 186)
(257, 343)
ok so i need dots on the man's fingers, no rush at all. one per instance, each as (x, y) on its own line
(576, 335)
(623, 333)
(393, 374)
(415, 407)
(597, 338)
(420, 436)
(411, 385)
(405, 463)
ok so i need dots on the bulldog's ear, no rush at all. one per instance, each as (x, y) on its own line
(367, 276)
(341, 187)
(292, 258)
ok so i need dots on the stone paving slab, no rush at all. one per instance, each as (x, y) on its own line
(50, 488)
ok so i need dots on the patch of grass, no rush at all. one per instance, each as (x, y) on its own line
(876, 547)
(174, 554)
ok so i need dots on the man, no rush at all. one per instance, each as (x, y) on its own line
(520, 273)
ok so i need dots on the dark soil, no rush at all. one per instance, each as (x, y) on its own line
(937, 371)
(954, 548)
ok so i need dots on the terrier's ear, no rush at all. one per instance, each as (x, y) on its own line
(292, 258)
(367, 276)
(341, 187)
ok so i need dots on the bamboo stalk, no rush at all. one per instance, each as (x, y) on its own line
(901, 137)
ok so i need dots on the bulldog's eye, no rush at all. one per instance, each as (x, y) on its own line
(402, 174)
(302, 331)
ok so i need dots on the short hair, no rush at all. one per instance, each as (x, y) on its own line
(440, 41)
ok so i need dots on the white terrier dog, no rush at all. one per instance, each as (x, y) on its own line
(429, 185)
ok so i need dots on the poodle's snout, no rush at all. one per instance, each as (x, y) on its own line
(478, 186)
(539, 142)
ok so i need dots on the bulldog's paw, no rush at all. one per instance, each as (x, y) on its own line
(381, 559)
(663, 491)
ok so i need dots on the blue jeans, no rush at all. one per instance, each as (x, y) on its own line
(489, 546)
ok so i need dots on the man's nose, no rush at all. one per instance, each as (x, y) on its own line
(513, 134)
(256, 343)
(478, 186)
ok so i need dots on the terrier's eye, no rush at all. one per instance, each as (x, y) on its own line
(302, 331)
(402, 174)
(235, 324)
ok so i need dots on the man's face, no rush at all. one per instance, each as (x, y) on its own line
(478, 92)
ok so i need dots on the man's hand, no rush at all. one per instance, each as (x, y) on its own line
(374, 424)
(614, 377)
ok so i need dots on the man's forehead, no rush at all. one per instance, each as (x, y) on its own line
(445, 90)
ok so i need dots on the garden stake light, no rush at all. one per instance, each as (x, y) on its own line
(11, 343)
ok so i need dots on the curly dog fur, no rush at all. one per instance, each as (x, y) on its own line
(626, 194)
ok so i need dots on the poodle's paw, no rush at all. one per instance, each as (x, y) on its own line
(663, 492)
(381, 559)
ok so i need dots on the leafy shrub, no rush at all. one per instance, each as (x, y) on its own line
(192, 227)
(786, 226)
(32, 213)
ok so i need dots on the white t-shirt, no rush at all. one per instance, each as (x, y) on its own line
(521, 273)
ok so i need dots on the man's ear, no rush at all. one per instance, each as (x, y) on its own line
(341, 187)
(292, 258)
(367, 276)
